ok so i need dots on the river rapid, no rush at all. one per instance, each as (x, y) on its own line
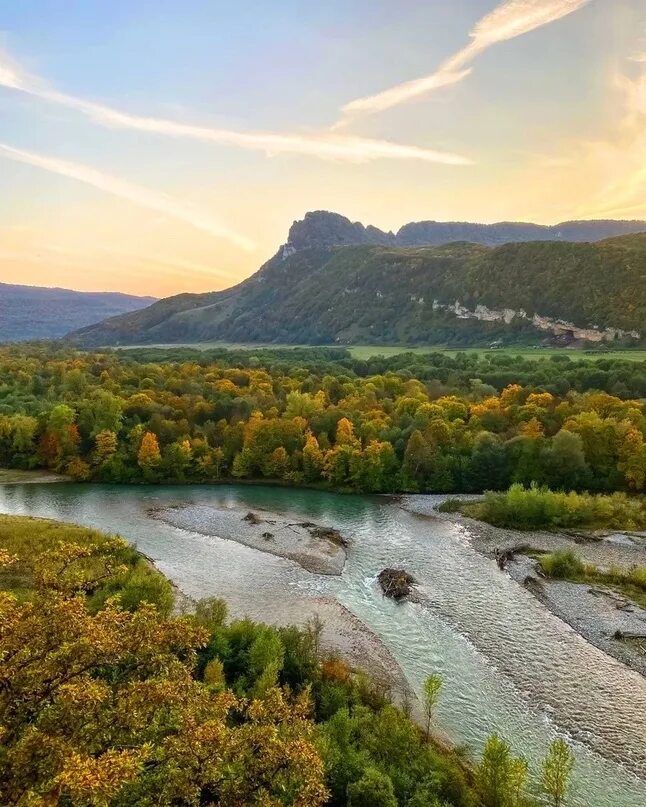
(508, 664)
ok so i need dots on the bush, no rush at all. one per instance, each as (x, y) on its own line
(540, 508)
(562, 565)
(374, 789)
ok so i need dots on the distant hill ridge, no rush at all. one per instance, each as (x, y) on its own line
(321, 228)
(314, 291)
(37, 312)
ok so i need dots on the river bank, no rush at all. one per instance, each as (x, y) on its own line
(508, 664)
(597, 613)
(12, 476)
(316, 549)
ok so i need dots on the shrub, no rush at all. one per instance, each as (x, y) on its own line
(562, 565)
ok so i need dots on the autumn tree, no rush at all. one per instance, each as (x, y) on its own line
(417, 457)
(104, 709)
(313, 459)
(105, 445)
(148, 455)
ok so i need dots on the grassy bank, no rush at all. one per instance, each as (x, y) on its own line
(116, 567)
(566, 565)
(535, 508)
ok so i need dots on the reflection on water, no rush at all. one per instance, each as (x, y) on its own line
(508, 664)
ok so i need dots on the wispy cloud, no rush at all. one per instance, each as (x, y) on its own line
(507, 21)
(326, 145)
(144, 197)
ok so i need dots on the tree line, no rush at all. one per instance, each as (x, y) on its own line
(110, 417)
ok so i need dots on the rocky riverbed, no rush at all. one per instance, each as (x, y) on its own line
(598, 613)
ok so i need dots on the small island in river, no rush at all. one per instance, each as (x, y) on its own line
(317, 549)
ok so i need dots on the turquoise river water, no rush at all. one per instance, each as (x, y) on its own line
(508, 664)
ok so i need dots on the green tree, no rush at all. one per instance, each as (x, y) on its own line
(432, 687)
(564, 462)
(556, 772)
(374, 789)
(495, 774)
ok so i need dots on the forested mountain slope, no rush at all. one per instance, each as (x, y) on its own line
(381, 294)
(33, 312)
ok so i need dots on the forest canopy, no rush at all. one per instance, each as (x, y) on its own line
(119, 417)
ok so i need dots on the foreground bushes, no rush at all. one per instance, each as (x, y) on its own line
(104, 700)
(528, 508)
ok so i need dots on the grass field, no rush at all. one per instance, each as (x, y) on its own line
(368, 351)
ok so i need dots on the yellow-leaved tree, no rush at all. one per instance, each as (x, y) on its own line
(103, 708)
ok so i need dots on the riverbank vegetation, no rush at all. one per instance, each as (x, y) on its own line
(566, 565)
(534, 507)
(113, 701)
(120, 418)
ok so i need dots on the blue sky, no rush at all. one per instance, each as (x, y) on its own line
(546, 124)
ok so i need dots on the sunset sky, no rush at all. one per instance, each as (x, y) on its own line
(153, 146)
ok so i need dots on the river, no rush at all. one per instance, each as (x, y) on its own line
(507, 663)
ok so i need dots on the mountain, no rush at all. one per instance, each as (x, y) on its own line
(32, 312)
(323, 229)
(458, 293)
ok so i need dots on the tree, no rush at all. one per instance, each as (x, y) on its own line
(373, 789)
(557, 769)
(24, 430)
(148, 455)
(489, 466)
(104, 708)
(345, 433)
(432, 687)
(105, 445)
(495, 774)
(417, 457)
(312, 459)
(564, 462)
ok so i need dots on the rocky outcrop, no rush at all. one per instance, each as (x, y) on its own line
(323, 229)
(556, 327)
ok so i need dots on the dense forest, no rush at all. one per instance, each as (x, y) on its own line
(388, 295)
(109, 699)
(120, 417)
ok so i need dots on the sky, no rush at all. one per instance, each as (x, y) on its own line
(157, 146)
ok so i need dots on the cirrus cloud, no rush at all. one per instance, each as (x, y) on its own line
(510, 19)
(325, 145)
(145, 197)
